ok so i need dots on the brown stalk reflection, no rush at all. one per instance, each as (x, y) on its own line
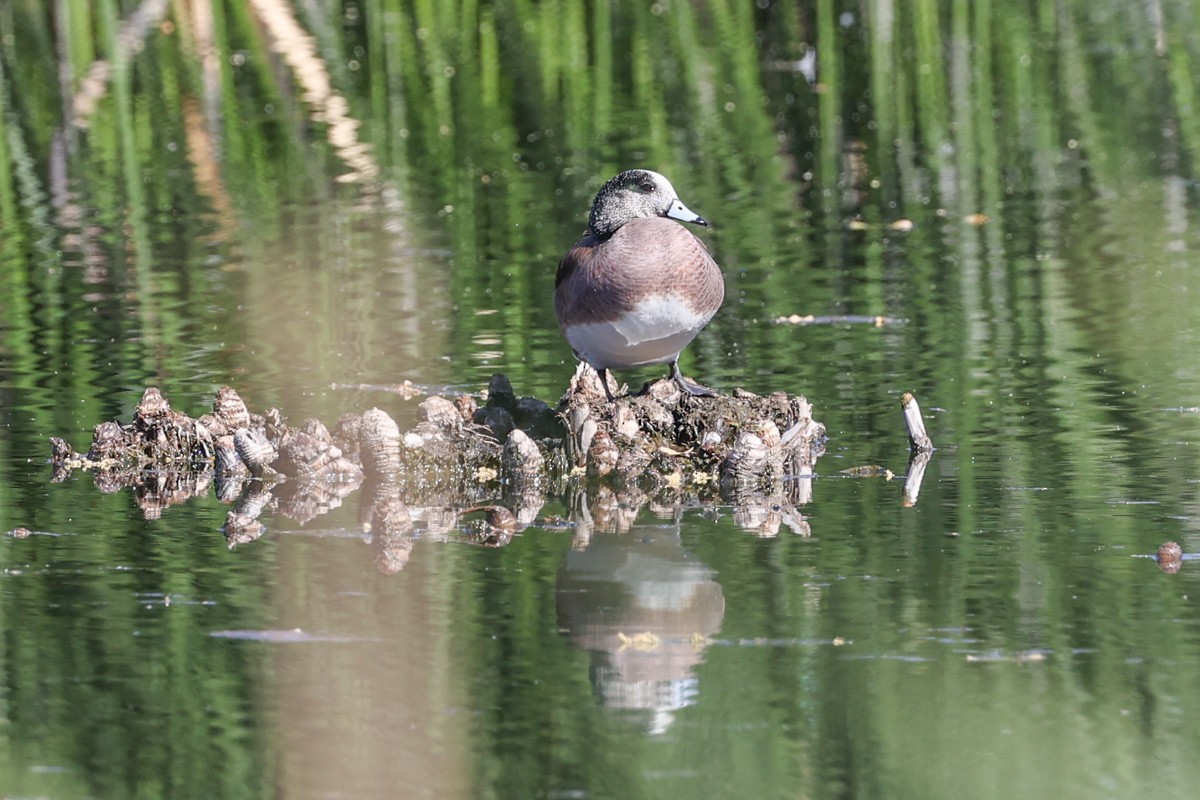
(299, 50)
(130, 36)
(203, 153)
(288, 38)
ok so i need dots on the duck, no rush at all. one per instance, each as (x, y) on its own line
(639, 286)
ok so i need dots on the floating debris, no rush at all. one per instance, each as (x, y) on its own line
(1170, 557)
(869, 471)
(899, 225)
(497, 527)
(838, 319)
(1027, 657)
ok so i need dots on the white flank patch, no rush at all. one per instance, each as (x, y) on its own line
(653, 333)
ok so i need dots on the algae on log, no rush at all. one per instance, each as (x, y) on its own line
(504, 458)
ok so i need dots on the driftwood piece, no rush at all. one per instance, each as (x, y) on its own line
(1170, 557)
(918, 439)
(920, 449)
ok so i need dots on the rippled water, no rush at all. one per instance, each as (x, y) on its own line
(1005, 636)
(1008, 634)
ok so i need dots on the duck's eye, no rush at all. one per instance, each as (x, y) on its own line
(646, 186)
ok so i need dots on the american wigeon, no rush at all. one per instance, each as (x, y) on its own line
(638, 286)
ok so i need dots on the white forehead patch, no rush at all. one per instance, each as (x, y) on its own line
(663, 184)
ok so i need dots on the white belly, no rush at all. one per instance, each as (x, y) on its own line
(653, 333)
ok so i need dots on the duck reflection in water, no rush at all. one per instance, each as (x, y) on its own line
(644, 607)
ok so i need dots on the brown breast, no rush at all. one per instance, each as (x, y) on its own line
(598, 281)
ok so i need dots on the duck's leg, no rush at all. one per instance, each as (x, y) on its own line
(690, 387)
(603, 373)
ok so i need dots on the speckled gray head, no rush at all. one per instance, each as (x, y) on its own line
(633, 194)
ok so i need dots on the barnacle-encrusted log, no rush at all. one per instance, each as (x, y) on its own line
(658, 442)
(152, 406)
(379, 443)
(664, 436)
(255, 450)
(443, 442)
(109, 442)
(602, 456)
(229, 414)
(624, 424)
(524, 471)
(466, 406)
(157, 437)
(227, 461)
(659, 429)
(60, 449)
(311, 453)
(440, 412)
(522, 460)
(231, 409)
(756, 454)
(347, 435)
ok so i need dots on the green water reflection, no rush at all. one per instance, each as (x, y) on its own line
(305, 200)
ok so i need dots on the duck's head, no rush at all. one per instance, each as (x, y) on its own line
(633, 194)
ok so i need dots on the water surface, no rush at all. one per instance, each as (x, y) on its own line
(1012, 189)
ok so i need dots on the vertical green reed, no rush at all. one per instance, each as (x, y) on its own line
(601, 74)
(984, 109)
(931, 100)
(885, 99)
(650, 121)
(8, 200)
(1183, 60)
(82, 42)
(141, 260)
(379, 73)
(906, 126)
(15, 285)
(962, 102)
(829, 107)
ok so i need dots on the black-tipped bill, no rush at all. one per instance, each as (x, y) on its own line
(684, 214)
